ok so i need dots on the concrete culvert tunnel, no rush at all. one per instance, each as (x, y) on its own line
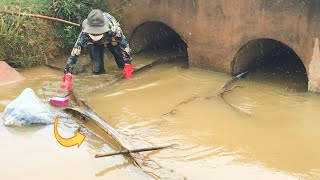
(272, 61)
(160, 39)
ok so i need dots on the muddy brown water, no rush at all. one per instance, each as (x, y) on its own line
(272, 134)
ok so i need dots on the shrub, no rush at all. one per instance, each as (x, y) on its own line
(75, 11)
(23, 40)
(27, 41)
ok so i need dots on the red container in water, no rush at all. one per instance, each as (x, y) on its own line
(59, 101)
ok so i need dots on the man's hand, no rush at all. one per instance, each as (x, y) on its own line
(66, 81)
(76, 51)
(128, 70)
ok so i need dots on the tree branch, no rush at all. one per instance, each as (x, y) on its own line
(40, 16)
(133, 151)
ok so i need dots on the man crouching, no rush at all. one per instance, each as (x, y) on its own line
(100, 30)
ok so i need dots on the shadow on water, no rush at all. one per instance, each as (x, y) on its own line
(110, 169)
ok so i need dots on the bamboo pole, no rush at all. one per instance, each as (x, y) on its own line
(41, 17)
(225, 88)
(133, 151)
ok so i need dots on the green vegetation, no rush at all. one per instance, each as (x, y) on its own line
(74, 11)
(23, 40)
(27, 41)
(31, 5)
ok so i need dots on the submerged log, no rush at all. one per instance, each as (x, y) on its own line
(90, 115)
(140, 69)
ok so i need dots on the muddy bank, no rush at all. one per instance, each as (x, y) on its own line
(8, 74)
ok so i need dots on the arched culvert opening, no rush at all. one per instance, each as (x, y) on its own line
(272, 61)
(159, 39)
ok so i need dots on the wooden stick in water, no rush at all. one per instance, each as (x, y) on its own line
(41, 17)
(228, 84)
(133, 151)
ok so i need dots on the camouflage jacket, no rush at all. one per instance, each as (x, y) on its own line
(115, 36)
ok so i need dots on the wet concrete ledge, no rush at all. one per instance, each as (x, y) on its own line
(83, 68)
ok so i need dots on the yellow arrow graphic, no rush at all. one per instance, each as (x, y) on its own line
(68, 142)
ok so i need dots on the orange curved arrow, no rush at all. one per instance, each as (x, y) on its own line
(68, 142)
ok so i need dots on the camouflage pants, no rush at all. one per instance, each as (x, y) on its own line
(97, 53)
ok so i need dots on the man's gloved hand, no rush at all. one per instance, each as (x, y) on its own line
(66, 81)
(128, 70)
(68, 69)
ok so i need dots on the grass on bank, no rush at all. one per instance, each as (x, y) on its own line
(23, 40)
(27, 41)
